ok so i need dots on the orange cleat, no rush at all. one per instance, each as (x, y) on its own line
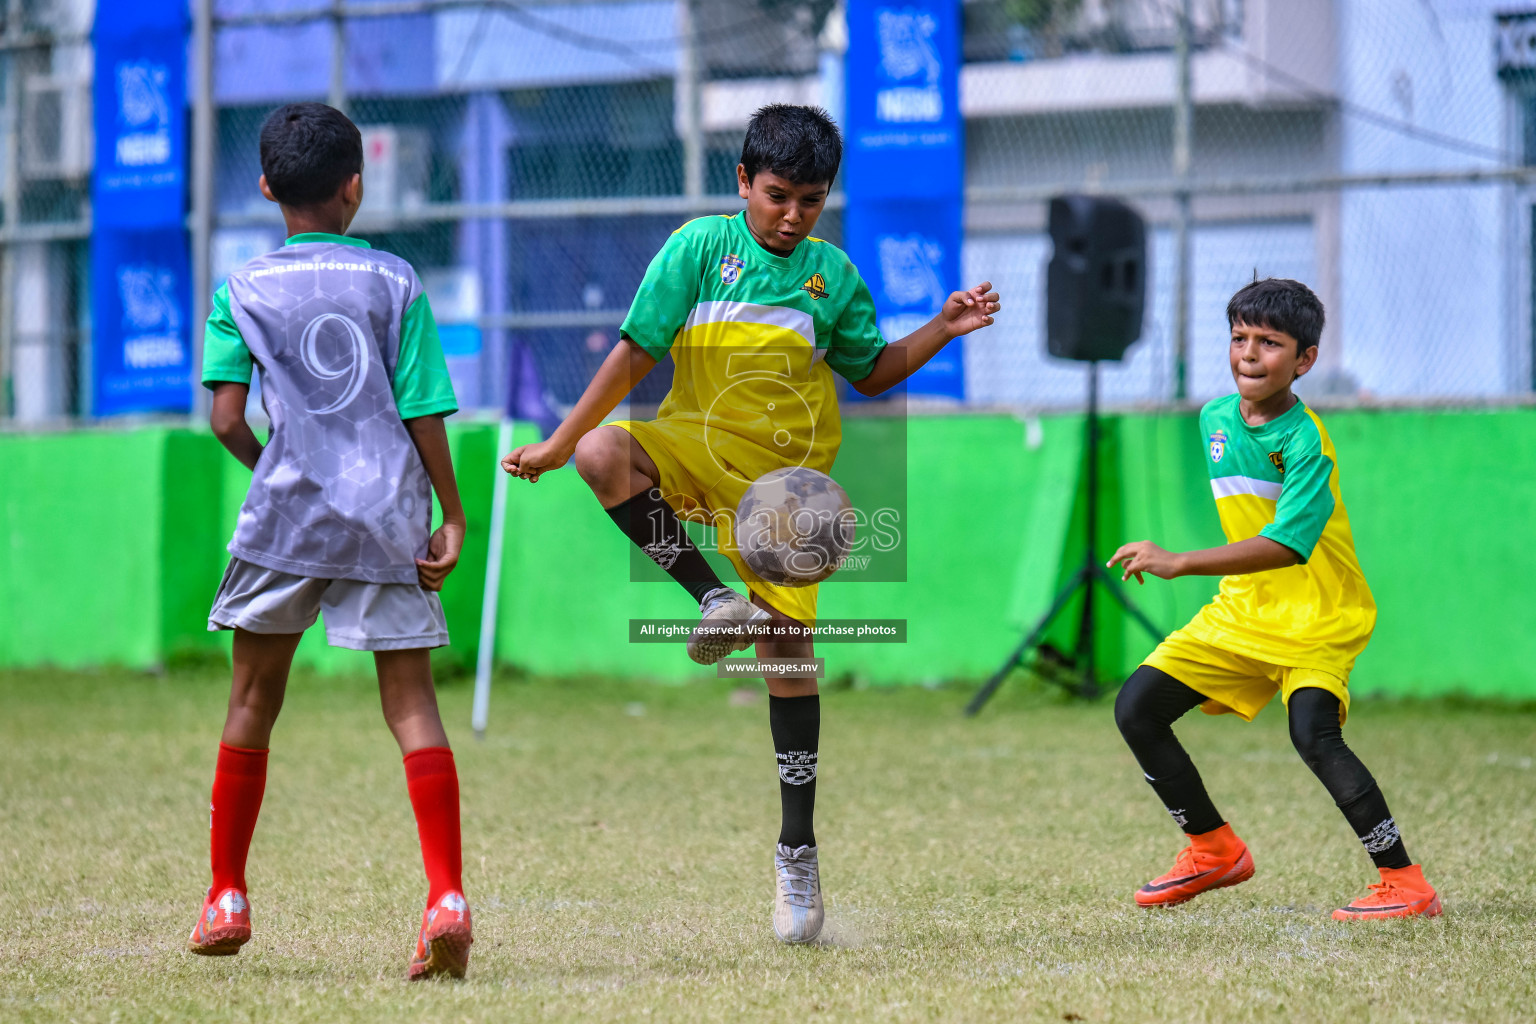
(442, 946)
(223, 926)
(1402, 892)
(1212, 860)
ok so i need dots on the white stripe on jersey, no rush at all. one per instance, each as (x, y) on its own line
(721, 311)
(1231, 486)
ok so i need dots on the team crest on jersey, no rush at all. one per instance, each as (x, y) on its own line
(1277, 460)
(816, 287)
(1218, 445)
(730, 268)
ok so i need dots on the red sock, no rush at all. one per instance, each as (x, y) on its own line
(434, 785)
(238, 782)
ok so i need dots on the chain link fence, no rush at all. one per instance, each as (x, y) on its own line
(1362, 148)
(45, 166)
(529, 158)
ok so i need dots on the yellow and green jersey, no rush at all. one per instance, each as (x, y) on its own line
(755, 338)
(1281, 480)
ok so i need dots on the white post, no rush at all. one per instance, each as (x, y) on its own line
(10, 205)
(336, 94)
(204, 125)
(486, 655)
(688, 84)
(1183, 157)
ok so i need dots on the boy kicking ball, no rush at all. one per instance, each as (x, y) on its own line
(339, 513)
(757, 315)
(1292, 615)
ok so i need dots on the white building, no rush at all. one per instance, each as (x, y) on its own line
(1427, 287)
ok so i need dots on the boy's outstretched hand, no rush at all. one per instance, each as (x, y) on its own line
(962, 313)
(529, 461)
(967, 311)
(1144, 556)
(443, 549)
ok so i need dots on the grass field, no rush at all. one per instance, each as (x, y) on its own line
(617, 856)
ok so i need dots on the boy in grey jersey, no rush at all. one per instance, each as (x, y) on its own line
(339, 512)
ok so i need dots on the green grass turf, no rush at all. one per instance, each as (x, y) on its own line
(617, 856)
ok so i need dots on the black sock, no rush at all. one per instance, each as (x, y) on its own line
(1319, 739)
(1183, 794)
(650, 522)
(1145, 710)
(1372, 821)
(796, 726)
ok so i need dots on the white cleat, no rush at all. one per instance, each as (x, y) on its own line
(797, 911)
(725, 616)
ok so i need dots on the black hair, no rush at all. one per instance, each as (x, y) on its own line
(794, 142)
(1279, 304)
(308, 151)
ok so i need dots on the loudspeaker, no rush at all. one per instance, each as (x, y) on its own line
(1096, 280)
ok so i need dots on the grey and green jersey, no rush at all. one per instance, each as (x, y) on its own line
(343, 338)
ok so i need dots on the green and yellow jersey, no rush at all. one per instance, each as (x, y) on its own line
(755, 338)
(1281, 480)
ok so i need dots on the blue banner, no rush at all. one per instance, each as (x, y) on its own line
(140, 265)
(904, 131)
(909, 255)
(140, 293)
(904, 169)
(139, 97)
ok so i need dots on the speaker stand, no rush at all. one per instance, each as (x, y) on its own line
(1084, 681)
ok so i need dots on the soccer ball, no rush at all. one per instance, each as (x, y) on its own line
(794, 526)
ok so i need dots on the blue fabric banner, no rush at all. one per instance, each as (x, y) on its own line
(904, 129)
(903, 172)
(140, 120)
(140, 293)
(909, 254)
(140, 265)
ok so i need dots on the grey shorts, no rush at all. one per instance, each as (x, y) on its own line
(358, 616)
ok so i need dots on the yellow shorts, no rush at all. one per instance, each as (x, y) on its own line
(700, 489)
(1235, 683)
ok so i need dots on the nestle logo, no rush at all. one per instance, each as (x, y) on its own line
(144, 149)
(152, 351)
(906, 104)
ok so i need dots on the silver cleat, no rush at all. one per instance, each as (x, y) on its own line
(797, 910)
(725, 616)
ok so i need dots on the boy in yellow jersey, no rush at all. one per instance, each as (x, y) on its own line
(1292, 614)
(757, 316)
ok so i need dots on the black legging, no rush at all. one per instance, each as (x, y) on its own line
(1145, 710)
(1152, 700)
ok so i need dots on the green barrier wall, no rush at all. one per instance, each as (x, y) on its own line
(114, 547)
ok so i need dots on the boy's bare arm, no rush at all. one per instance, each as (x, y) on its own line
(227, 418)
(443, 547)
(620, 372)
(1256, 554)
(962, 313)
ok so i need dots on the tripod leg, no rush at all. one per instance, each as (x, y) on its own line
(1115, 589)
(1088, 686)
(990, 687)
